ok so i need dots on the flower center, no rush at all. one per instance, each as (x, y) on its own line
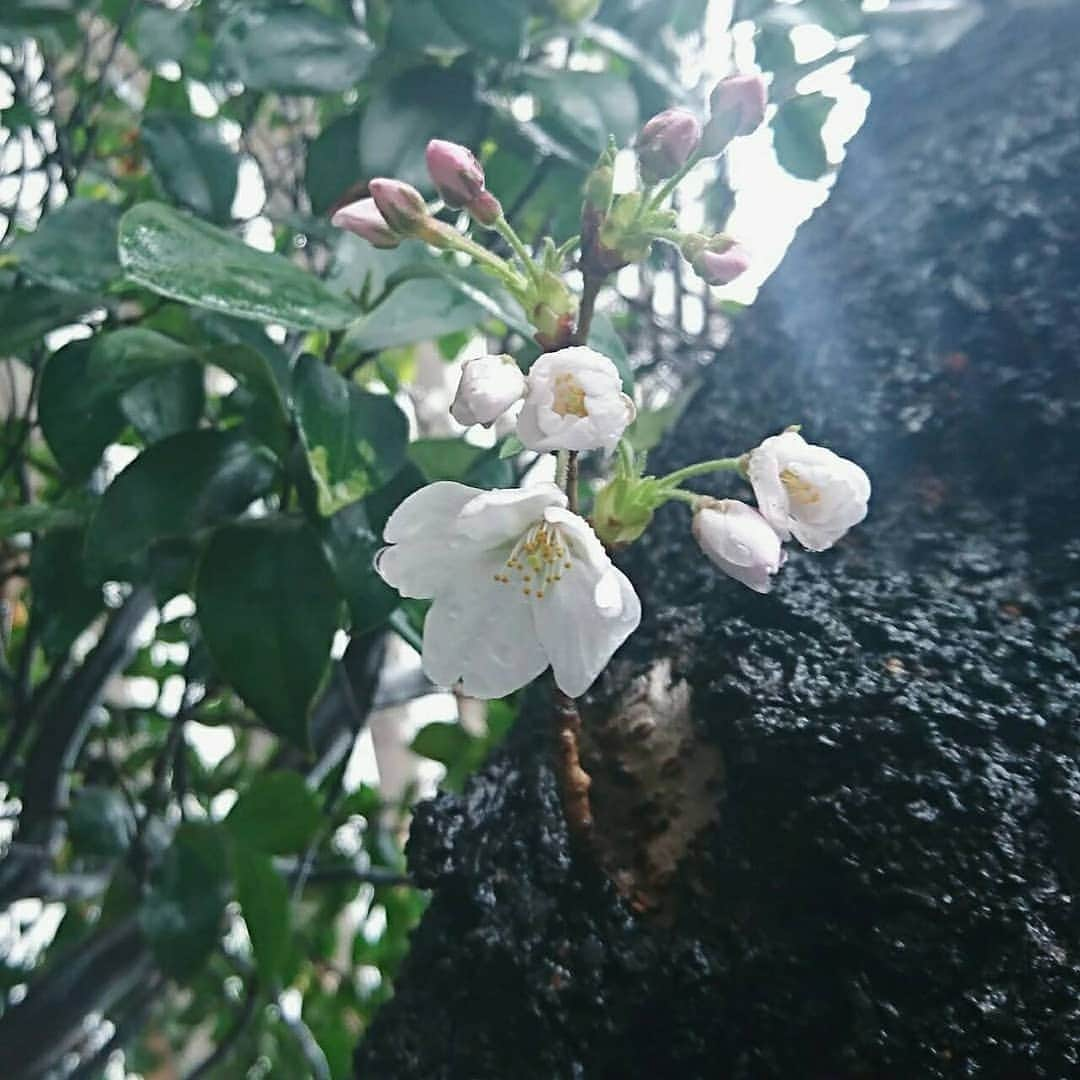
(537, 561)
(569, 396)
(799, 489)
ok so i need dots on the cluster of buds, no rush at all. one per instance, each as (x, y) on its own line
(619, 230)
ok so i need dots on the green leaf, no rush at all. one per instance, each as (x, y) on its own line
(173, 489)
(496, 27)
(264, 903)
(192, 163)
(268, 414)
(161, 35)
(355, 441)
(64, 603)
(181, 257)
(123, 357)
(28, 312)
(333, 162)
(276, 814)
(298, 51)
(166, 403)
(588, 106)
(254, 582)
(100, 822)
(443, 742)
(455, 459)
(423, 104)
(79, 417)
(181, 914)
(40, 517)
(416, 26)
(605, 339)
(417, 310)
(73, 249)
(797, 135)
(351, 544)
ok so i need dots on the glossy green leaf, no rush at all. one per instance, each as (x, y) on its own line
(264, 903)
(333, 163)
(298, 51)
(267, 410)
(355, 441)
(73, 249)
(424, 103)
(277, 814)
(187, 259)
(496, 26)
(79, 417)
(797, 135)
(417, 310)
(28, 312)
(166, 403)
(254, 582)
(351, 544)
(120, 358)
(192, 163)
(175, 488)
(182, 914)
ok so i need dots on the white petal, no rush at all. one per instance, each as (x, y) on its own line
(418, 568)
(481, 632)
(427, 513)
(763, 471)
(582, 619)
(495, 517)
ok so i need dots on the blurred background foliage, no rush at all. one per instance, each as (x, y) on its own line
(214, 722)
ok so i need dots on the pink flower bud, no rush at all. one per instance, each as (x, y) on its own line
(485, 209)
(666, 142)
(363, 219)
(457, 175)
(721, 263)
(401, 205)
(737, 107)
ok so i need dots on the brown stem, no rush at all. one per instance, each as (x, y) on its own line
(589, 292)
(573, 779)
(572, 481)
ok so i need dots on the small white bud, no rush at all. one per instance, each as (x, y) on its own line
(739, 541)
(489, 386)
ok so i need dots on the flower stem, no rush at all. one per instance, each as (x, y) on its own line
(562, 467)
(451, 238)
(571, 482)
(673, 480)
(683, 496)
(506, 231)
(674, 181)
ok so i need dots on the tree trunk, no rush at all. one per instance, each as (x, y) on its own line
(837, 828)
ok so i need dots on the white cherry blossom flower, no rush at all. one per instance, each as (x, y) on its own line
(807, 491)
(574, 401)
(517, 582)
(489, 386)
(739, 540)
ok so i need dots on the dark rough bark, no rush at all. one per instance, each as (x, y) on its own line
(869, 782)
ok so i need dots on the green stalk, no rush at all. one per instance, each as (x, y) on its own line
(506, 231)
(673, 480)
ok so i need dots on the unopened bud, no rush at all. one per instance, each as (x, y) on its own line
(736, 107)
(666, 142)
(457, 175)
(363, 219)
(738, 540)
(489, 386)
(401, 205)
(485, 209)
(719, 260)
